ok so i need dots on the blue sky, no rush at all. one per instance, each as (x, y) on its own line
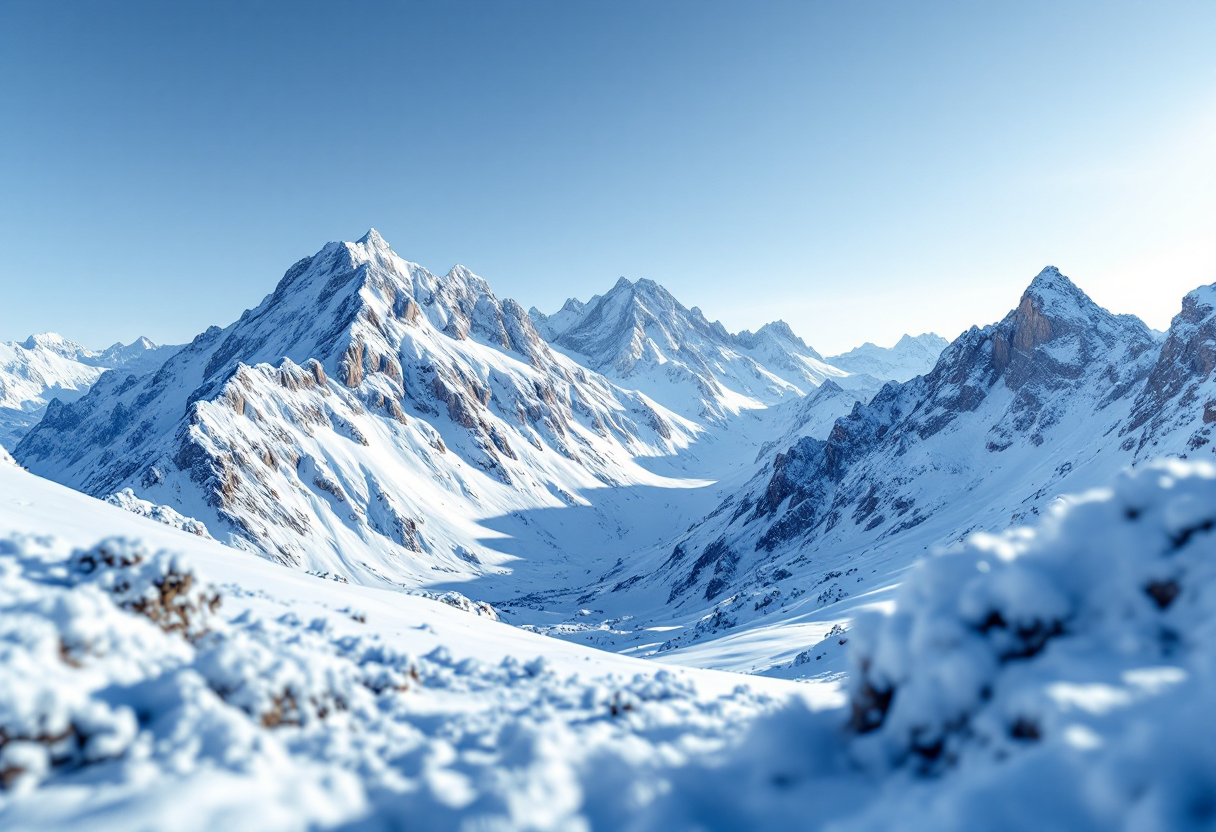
(858, 169)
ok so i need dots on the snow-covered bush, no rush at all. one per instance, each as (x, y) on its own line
(461, 602)
(124, 690)
(281, 681)
(1087, 644)
(59, 646)
(160, 587)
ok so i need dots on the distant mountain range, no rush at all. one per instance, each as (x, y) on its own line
(638, 334)
(621, 465)
(910, 357)
(48, 366)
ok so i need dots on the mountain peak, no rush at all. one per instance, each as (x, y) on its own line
(780, 329)
(1052, 294)
(56, 343)
(1054, 309)
(1202, 299)
(143, 342)
(372, 238)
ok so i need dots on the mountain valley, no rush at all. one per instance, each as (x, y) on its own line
(624, 472)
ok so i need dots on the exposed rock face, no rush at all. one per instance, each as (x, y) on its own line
(288, 431)
(1179, 394)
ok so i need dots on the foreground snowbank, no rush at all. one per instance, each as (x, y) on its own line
(126, 694)
(1060, 677)
(1056, 678)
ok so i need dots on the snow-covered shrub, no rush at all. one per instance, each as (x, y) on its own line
(1035, 637)
(60, 646)
(461, 602)
(161, 587)
(280, 681)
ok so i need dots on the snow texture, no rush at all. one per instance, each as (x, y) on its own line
(126, 499)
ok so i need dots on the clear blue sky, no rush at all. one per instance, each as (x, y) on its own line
(859, 169)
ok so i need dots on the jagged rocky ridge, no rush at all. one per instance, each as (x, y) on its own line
(360, 420)
(1055, 397)
(641, 336)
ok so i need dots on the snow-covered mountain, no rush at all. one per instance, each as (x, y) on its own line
(1009, 414)
(651, 484)
(1050, 400)
(138, 357)
(912, 355)
(48, 366)
(1178, 400)
(366, 419)
(374, 421)
(640, 336)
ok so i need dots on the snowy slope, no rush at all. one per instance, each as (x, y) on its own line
(1059, 675)
(639, 335)
(48, 366)
(368, 419)
(910, 357)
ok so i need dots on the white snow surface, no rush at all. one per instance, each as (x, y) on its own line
(301, 702)
(1056, 677)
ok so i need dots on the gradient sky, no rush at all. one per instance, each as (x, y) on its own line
(859, 169)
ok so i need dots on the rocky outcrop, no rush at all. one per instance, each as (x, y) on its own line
(1180, 393)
